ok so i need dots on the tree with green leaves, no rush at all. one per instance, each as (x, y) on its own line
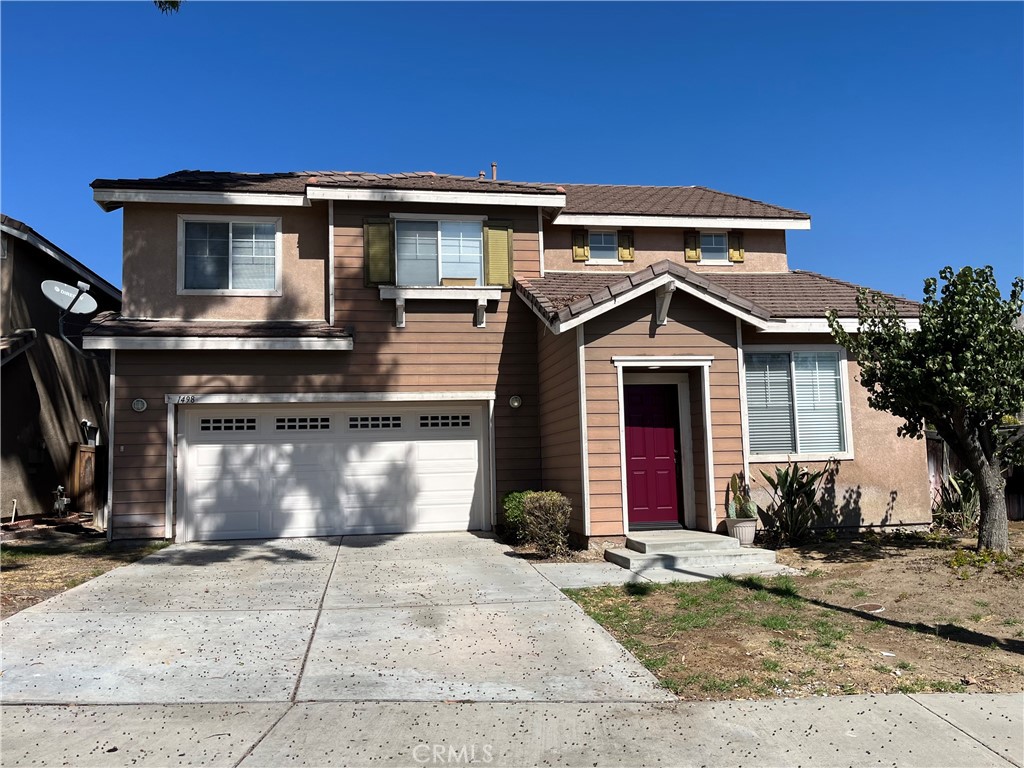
(962, 373)
(168, 6)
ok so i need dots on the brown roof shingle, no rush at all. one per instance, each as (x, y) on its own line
(798, 294)
(112, 324)
(595, 199)
(295, 182)
(632, 200)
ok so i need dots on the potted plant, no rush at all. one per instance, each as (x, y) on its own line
(741, 512)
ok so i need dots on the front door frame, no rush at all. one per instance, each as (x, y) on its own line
(643, 365)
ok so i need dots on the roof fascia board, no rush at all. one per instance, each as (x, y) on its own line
(111, 199)
(430, 196)
(650, 285)
(595, 220)
(248, 343)
(67, 260)
(810, 325)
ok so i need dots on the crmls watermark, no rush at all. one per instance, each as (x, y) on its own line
(449, 754)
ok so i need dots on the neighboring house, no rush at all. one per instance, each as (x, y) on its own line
(49, 390)
(323, 353)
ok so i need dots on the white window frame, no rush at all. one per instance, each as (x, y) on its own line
(593, 259)
(716, 262)
(399, 217)
(278, 249)
(844, 389)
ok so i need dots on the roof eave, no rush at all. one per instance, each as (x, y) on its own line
(643, 220)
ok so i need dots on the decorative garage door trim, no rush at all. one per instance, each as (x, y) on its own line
(286, 437)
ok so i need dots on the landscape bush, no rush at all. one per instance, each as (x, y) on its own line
(513, 528)
(546, 522)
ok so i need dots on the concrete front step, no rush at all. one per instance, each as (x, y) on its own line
(721, 558)
(679, 541)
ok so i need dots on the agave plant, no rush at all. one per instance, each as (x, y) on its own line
(957, 506)
(794, 506)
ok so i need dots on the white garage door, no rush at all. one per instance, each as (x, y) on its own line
(305, 471)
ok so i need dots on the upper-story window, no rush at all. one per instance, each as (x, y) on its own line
(424, 251)
(604, 246)
(229, 256)
(713, 247)
(444, 252)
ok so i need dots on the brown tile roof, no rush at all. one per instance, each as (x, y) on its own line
(622, 200)
(295, 182)
(564, 295)
(112, 324)
(804, 294)
(596, 199)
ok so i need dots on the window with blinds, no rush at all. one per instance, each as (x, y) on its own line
(795, 403)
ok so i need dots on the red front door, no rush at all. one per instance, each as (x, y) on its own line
(652, 440)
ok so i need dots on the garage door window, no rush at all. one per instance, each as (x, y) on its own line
(228, 424)
(444, 420)
(302, 423)
(374, 422)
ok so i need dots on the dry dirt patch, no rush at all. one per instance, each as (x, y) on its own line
(31, 570)
(877, 615)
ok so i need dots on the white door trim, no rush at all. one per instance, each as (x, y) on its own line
(581, 377)
(643, 363)
(192, 398)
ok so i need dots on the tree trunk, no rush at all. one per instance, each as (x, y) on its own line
(993, 526)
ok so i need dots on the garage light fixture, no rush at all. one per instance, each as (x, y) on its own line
(515, 401)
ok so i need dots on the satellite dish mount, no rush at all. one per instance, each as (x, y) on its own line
(71, 299)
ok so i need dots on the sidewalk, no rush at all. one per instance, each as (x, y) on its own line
(920, 731)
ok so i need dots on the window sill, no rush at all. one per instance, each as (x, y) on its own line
(480, 294)
(225, 292)
(800, 458)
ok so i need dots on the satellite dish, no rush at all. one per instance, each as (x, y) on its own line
(69, 297)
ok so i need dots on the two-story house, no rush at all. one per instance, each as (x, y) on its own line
(329, 353)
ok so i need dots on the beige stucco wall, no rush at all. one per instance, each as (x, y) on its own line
(886, 483)
(765, 251)
(151, 266)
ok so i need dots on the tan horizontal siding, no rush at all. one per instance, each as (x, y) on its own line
(561, 465)
(694, 328)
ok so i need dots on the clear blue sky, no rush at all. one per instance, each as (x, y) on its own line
(897, 126)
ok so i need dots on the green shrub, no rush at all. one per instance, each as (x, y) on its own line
(513, 527)
(546, 522)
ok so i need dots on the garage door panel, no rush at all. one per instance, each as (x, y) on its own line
(321, 476)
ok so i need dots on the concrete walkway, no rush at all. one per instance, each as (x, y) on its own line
(432, 649)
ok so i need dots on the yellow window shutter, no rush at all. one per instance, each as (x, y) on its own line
(736, 247)
(626, 252)
(580, 245)
(498, 253)
(691, 245)
(379, 251)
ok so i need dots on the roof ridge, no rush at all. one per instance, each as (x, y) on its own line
(746, 199)
(642, 186)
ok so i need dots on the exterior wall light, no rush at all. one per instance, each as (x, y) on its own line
(515, 401)
(139, 405)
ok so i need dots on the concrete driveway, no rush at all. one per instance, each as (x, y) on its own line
(434, 649)
(431, 617)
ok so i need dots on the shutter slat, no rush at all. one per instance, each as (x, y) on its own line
(691, 246)
(378, 252)
(580, 245)
(498, 253)
(626, 252)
